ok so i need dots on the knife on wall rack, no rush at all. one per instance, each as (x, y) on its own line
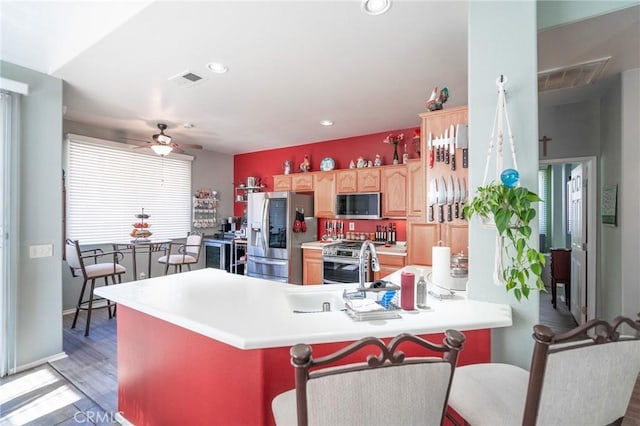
(441, 199)
(430, 144)
(450, 198)
(432, 197)
(452, 148)
(446, 146)
(462, 141)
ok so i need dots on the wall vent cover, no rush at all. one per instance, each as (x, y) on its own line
(186, 79)
(571, 76)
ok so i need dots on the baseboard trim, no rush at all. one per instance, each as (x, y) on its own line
(39, 362)
(69, 311)
(122, 419)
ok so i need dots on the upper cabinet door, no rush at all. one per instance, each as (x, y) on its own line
(394, 192)
(324, 195)
(282, 182)
(347, 181)
(369, 180)
(302, 182)
(415, 190)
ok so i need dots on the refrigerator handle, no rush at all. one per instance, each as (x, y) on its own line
(265, 225)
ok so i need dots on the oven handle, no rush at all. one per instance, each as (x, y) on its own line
(326, 281)
(342, 260)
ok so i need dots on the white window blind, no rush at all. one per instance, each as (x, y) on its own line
(108, 186)
(542, 208)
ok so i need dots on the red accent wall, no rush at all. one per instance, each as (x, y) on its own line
(265, 164)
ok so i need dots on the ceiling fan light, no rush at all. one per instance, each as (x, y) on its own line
(375, 7)
(161, 150)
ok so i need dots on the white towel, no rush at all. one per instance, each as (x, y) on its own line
(364, 305)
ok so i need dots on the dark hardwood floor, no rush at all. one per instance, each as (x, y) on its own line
(91, 364)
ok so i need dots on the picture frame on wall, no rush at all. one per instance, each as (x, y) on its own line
(609, 203)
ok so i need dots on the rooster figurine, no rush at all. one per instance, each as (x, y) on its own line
(436, 100)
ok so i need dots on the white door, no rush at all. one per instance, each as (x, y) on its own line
(577, 199)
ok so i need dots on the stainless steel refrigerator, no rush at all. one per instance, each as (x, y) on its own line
(274, 250)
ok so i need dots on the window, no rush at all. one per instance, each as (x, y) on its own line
(108, 183)
(544, 208)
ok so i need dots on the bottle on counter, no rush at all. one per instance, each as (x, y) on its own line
(421, 291)
(407, 291)
(405, 155)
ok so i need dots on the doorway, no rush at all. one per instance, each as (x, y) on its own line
(572, 221)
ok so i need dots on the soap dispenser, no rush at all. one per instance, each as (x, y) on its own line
(421, 291)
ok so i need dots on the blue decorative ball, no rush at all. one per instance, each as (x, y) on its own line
(510, 177)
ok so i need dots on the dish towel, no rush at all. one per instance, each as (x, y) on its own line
(364, 305)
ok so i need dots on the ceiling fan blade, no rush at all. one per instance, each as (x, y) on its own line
(190, 145)
(133, 141)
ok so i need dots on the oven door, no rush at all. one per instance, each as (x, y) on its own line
(339, 270)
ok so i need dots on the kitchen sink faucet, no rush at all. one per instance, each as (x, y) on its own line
(375, 264)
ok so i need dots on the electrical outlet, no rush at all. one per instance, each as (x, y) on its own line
(42, 250)
(352, 226)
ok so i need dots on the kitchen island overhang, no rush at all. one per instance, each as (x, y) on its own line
(211, 346)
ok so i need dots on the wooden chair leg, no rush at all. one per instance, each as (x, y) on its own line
(90, 308)
(567, 293)
(75, 317)
(166, 268)
(554, 287)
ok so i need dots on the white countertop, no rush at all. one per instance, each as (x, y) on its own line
(251, 313)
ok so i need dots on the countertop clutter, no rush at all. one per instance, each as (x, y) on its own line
(398, 249)
(252, 313)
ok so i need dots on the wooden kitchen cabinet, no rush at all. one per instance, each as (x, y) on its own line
(346, 181)
(388, 265)
(311, 266)
(324, 195)
(363, 180)
(421, 237)
(394, 191)
(302, 182)
(369, 180)
(415, 189)
(282, 182)
(456, 236)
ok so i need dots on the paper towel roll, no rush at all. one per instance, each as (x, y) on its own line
(440, 265)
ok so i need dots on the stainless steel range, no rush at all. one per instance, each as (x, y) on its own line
(341, 263)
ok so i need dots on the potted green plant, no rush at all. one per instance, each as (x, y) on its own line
(509, 208)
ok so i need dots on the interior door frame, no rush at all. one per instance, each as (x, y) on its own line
(590, 164)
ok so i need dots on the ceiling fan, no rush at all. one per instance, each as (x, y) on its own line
(162, 143)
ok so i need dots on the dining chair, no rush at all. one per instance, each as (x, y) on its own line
(91, 265)
(388, 388)
(582, 377)
(561, 273)
(186, 253)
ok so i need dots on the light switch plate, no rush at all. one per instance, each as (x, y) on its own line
(42, 250)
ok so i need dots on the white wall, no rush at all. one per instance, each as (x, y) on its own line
(609, 287)
(39, 323)
(574, 129)
(502, 40)
(557, 12)
(629, 201)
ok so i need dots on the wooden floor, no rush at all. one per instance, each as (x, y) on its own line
(89, 373)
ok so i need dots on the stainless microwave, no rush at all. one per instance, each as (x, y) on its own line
(362, 205)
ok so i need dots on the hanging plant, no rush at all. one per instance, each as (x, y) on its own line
(510, 209)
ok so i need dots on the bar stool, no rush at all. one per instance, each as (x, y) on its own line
(79, 262)
(561, 273)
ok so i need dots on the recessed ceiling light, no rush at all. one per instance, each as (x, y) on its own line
(375, 7)
(188, 125)
(326, 122)
(217, 67)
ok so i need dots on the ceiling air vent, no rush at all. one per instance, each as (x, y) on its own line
(572, 76)
(186, 79)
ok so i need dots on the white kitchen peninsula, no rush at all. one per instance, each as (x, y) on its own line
(209, 346)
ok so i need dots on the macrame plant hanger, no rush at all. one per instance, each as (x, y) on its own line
(500, 119)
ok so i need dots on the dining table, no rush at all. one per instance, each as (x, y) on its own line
(142, 246)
